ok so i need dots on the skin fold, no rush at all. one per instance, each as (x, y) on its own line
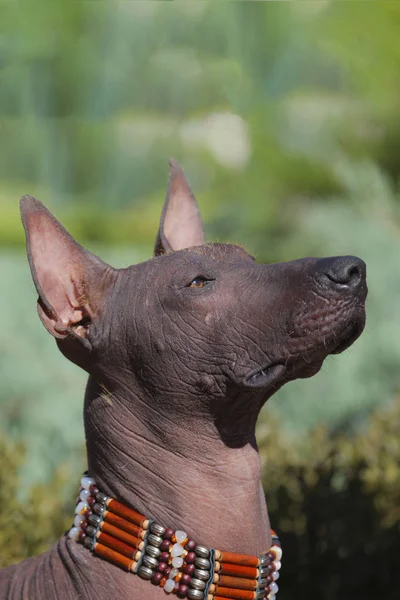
(182, 352)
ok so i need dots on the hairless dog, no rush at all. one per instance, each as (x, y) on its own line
(182, 352)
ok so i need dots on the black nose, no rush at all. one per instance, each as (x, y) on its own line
(342, 272)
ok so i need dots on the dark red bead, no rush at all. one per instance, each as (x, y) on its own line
(84, 525)
(165, 544)
(186, 579)
(189, 569)
(190, 557)
(156, 579)
(269, 580)
(191, 545)
(162, 566)
(164, 557)
(167, 571)
(93, 489)
(81, 536)
(88, 513)
(91, 501)
(168, 533)
(182, 591)
(271, 555)
(267, 589)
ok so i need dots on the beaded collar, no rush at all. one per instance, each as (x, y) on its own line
(168, 558)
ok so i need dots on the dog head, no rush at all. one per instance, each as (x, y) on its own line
(199, 327)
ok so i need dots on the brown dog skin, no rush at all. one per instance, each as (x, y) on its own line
(182, 352)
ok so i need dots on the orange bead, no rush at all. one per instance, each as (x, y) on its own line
(237, 582)
(235, 594)
(126, 513)
(238, 571)
(239, 559)
(112, 556)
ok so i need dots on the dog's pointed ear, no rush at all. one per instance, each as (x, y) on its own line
(71, 282)
(180, 225)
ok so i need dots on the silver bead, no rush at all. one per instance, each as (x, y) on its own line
(261, 595)
(201, 574)
(94, 520)
(98, 508)
(195, 595)
(265, 560)
(150, 562)
(154, 540)
(100, 497)
(145, 572)
(88, 542)
(262, 582)
(157, 529)
(91, 531)
(202, 551)
(264, 571)
(202, 563)
(198, 584)
(153, 551)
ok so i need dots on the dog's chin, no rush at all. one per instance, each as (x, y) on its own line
(353, 331)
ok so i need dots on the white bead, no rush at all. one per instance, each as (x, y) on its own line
(173, 573)
(274, 588)
(277, 564)
(177, 562)
(78, 520)
(169, 586)
(86, 482)
(73, 533)
(81, 508)
(177, 550)
(278, 552)
(275, 575)
(180, 536)
(84, 495)
(273, 597)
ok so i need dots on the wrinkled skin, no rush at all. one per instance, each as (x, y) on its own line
(182, 352)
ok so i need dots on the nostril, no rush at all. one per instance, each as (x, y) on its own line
(344, 276)
(345, 271)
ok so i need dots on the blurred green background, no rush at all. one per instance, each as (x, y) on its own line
(286, 118)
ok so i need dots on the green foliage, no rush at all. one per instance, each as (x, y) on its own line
(31, 525)
(335, 501)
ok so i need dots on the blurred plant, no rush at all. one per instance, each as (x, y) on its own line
(32, 524)
(335, 501)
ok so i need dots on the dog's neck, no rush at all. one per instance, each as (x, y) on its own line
(179, 473)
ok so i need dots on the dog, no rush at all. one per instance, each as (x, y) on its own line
(182, 352)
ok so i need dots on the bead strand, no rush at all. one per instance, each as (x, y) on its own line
(168, 558)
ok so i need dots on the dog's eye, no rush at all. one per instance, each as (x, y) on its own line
(198, 282)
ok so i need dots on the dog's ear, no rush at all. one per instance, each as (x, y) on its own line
(180, 225)
(71, 282)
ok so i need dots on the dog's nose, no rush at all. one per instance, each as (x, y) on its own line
(342, 272)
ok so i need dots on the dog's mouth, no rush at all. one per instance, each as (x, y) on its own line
(268, 376)
(273, 375)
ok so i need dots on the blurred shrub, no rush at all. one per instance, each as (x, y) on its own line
(31, 525)
(333, 499)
